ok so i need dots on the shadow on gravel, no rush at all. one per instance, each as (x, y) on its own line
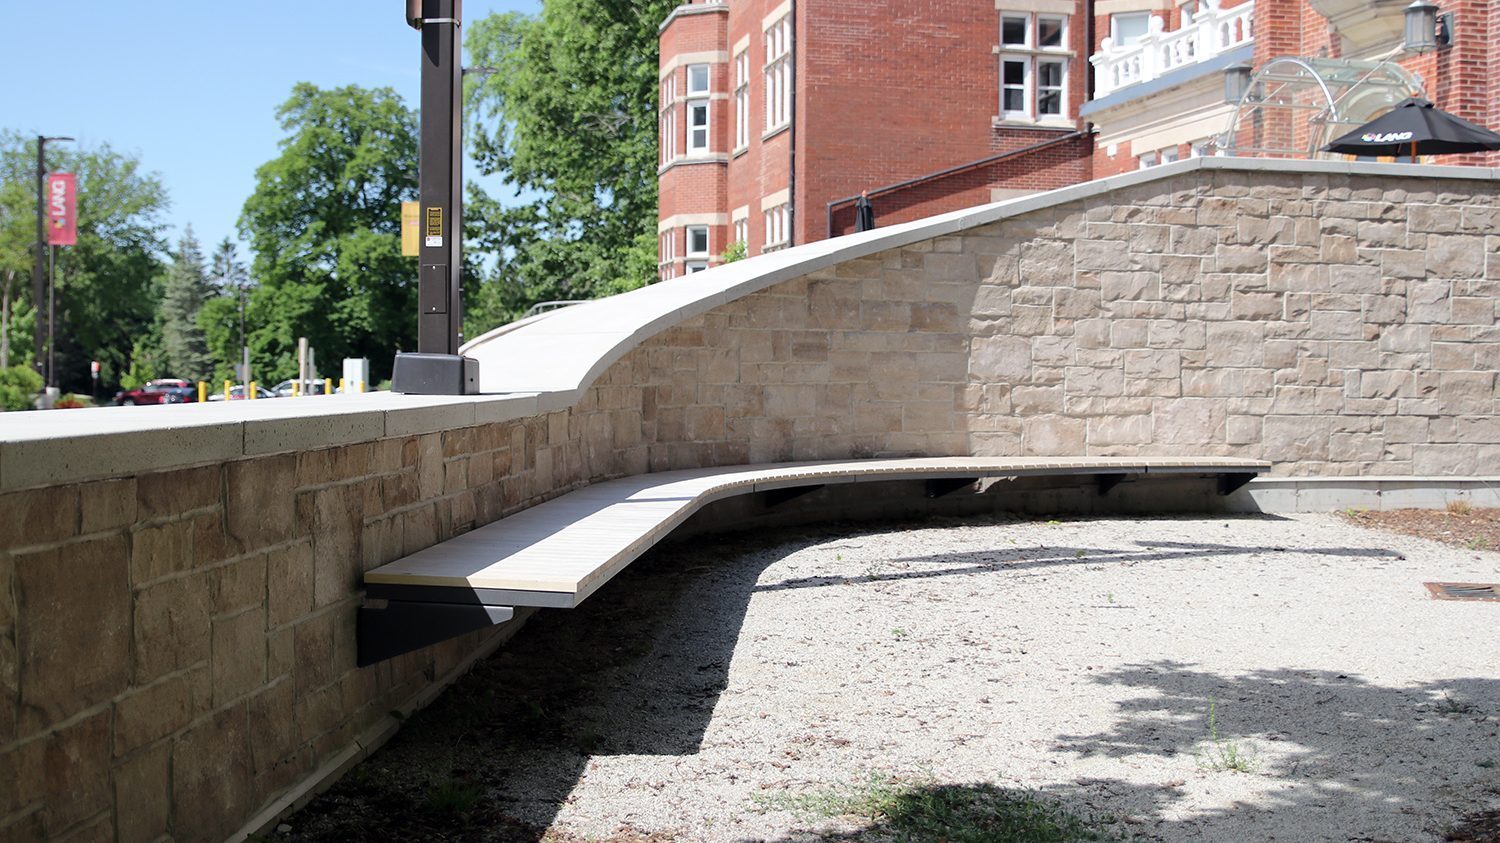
(1347, 749)
(639, 668)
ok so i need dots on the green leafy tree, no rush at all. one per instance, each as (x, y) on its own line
(19, 386)
(17, 234)
(571, 117)
(324, 226)
(108, 285)
(184, 293)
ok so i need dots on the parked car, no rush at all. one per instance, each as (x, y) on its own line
(238, 394)
(309, 387)
(163, 391)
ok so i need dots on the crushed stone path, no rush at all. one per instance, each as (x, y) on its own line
(1076, 658)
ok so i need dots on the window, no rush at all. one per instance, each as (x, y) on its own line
(667, 249)
(697, 241)
(778, 229)
(1033, 82)
(668, 118)
(697, 80)
(1050, 31)
(742, 100)
(696, 266)
(742, 231)
(1168, 155)
(1049, 88)
(1147, 159)
(1015, 30)
(1127, 29)
(697, 125)
(778, 73)
(1013, 87)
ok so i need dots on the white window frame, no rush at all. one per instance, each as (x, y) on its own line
(1061, 88)
(1030, 55)
(778, 232)
(669, 119)
(1147, 160)
(689, 232)
(742, 231)
(778, 73)
(1025, 111)
(699, 138)
(1062, 21)
(694, 266)
(1026, 19)
(1167, 155)
(742, 100)
(695, 90)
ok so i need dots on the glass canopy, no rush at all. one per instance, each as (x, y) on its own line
(1295, 105)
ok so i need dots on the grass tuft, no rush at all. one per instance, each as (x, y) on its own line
(1224, 754)
(451, 796)
(922, 809)
(1460, 506)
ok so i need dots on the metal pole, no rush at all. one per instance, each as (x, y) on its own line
(38, 293)
(440, 188)
(244, 349)
(51, 317)
(436, 368)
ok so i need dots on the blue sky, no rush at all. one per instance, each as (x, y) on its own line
(191, 86)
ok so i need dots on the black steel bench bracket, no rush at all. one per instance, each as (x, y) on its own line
(1231, 482)
(939, 487)
(402, 626)
(1109, 481)
(777, 497)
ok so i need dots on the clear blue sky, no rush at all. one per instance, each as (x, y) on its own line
(192, 86)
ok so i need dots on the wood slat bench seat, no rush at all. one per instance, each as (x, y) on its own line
(558, 553)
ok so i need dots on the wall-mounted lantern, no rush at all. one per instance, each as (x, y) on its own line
(1236, 82)
(1421, 27)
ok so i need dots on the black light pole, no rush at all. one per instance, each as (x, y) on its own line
(436, 367)
(39, 269)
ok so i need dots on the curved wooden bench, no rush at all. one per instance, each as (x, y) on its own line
(558, 553)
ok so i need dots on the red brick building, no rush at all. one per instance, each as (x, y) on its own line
(776, 114)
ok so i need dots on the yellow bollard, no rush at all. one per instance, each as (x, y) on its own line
(250, 391)
(328, 386)
(228, 387)
(342, 387)
(202, 392)
(296, 389)
(361, 386)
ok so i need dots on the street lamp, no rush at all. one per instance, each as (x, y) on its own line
(39, 269)
(1421, 27)
(436, 368)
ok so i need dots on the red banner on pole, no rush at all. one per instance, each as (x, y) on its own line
(62, 209)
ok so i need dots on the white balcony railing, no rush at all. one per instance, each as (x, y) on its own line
(1213, 31)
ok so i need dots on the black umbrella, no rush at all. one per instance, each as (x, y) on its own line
(864, 213)
(1414, 127)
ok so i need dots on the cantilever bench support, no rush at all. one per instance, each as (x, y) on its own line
(777, 497)
(405, 625)
(1230, 482)
(943, 486)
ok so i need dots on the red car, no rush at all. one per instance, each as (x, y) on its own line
(164, 391)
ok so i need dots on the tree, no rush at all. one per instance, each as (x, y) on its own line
(572, 116)
(184, 293)
(222, 318)
(324, 226)
(108, 285)
(17, 234)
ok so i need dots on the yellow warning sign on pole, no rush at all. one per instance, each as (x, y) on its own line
(411, 224)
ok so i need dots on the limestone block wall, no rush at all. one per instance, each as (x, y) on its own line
(1331, 325)
(177, 645)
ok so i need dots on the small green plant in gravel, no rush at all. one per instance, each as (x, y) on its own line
(1449, 705)
(1224, 754)
(451, 796)
(922, 809)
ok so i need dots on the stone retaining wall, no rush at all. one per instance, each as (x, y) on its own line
(177, 647)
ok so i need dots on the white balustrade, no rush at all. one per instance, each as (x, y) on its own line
(1213, 31)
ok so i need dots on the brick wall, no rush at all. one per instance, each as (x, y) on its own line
(177, 648)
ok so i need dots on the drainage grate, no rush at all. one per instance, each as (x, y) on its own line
(1464, 590)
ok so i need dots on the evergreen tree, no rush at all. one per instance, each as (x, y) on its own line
(183, 294)
(222, 317)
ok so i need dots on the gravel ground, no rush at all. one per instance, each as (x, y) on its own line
(697, 696)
